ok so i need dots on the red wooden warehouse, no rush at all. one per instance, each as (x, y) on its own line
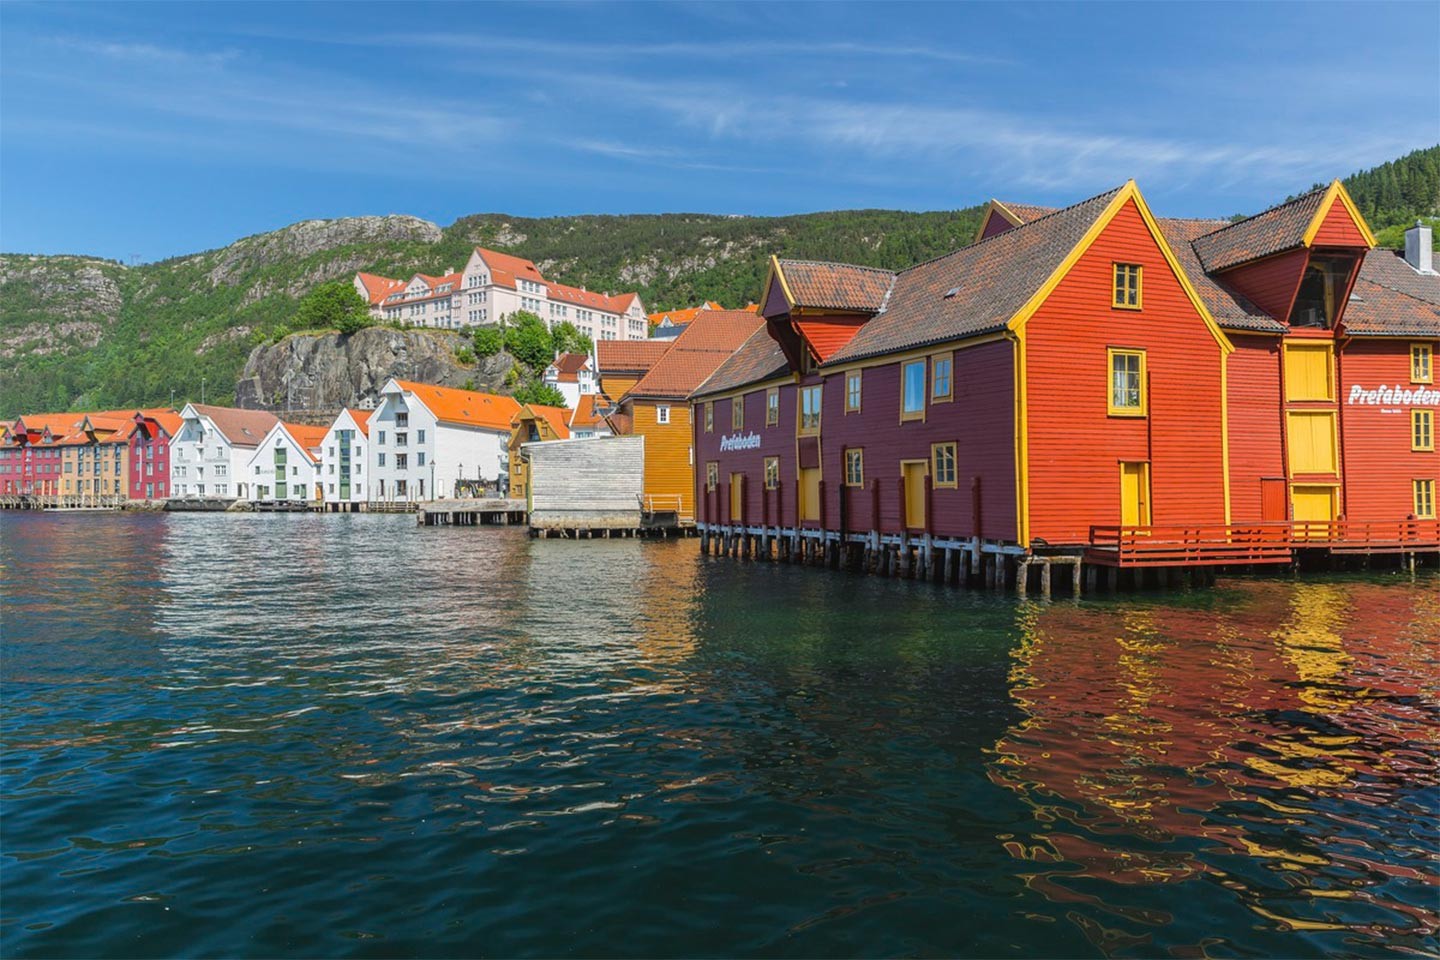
(1090, 383)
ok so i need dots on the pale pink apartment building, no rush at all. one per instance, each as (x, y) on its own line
(494, 285)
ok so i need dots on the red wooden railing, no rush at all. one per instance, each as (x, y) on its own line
(1217, 544)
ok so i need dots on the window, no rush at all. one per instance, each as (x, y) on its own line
(381, 457)
(1422, 363)
(382, 437)
(737, 413)
(854, 468)
(1127, 286)
(940, 385)
(942, 464)
(402, 461)
(1422, 430)
(1307, 372)
(1424, 498)
(772, 406)
(710, 417)
(1127, 383)
(810, 409)
(662, 414)
(852, 392)
(712, 475)
(912, 391)
(420, 459)
(419, 436)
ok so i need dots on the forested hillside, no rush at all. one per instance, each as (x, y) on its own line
(78, 332)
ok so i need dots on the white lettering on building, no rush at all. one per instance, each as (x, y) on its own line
(1384, 394)
(740, 441)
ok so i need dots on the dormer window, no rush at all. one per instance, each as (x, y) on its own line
(1322, 292)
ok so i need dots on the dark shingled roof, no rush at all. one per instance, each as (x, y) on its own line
(708, 341)
(1391, 298)
(1229, 308)
(1027, 211)
(836, 286)
(1279, 228)
(759, 358)
(976, 289)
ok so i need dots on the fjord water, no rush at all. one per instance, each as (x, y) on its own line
(302, 735)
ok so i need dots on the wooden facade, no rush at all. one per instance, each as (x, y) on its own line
(1084, 371)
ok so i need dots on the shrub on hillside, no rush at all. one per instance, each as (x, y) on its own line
(528, 341)
(332, 306)
(488, 341)
(537, 391)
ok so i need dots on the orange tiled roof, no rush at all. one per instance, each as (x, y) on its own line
(569, 365)
(693, 356)
(685, 314)
(579, 296)
(629, 356)
(464, 407)
(586, 413)
(504, 268)
(377, 288)
(310, 438)
(555, 416)
(361, 418)
(243, 428)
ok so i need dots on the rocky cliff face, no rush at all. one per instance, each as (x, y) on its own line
(54, 304)
(323, 372)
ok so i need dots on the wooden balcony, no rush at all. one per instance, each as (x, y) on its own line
(1245, 544)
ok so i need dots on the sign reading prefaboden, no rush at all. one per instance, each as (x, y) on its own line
(1413, 396)
(740, 441)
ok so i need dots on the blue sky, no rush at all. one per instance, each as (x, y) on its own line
(164, 128)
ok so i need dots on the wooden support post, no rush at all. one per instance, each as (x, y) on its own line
(988, 563)
(1022, 579)
(1075, 578)
(1045, 579)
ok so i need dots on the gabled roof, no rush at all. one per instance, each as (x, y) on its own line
(377, 288)
(555, 416)
(309, 438)
(831, 286)
(586, 412)
(1229, 308)
(567, 366)
(167, 419)
(629, 356)
(243, 428)
(463, 407)
(505, 268)
(684, 314)
(361, 418)
(758, 359)
(694, 355)
(977, 289)
(1392, 298)
(1283, 227)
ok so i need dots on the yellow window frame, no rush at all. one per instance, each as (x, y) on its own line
(1114, 410)
(772, 406)
(949, 360)
(801, 430)
(855, 467)
(1422, 363)
(1423, 494)
(737, 413)
(853, 380)
(1422, 429)
(936, 474)
(1123, 277)
(772, 473)
(712, 475)
(924, 389)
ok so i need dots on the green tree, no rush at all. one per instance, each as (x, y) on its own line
(538, 391)
(528, 341)
(332, 306)
(488, 341)
(567, 338)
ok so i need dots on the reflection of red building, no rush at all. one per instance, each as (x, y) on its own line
(1091, 366)
(1247, 731)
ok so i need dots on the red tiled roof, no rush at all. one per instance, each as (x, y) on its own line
(504, 268)
(464, 407)
(976, 289)
(590, 299)
(1392, 298)
(567, 366)
(629, 356)
(243, 428)
(361, 418)
(835, 286)
(694, 355)
(309, 438)
(1280, 228)
(759, 358)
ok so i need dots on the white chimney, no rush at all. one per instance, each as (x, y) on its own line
(1419, 248)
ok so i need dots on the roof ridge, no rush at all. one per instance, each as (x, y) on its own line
(1279, 206)
(817, 263)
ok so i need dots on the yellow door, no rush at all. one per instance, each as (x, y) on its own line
(914, 472)
(1134, 494)
(737, 496)
(1313, 504)
(810, 493)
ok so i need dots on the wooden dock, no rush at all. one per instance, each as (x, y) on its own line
(493, 512)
